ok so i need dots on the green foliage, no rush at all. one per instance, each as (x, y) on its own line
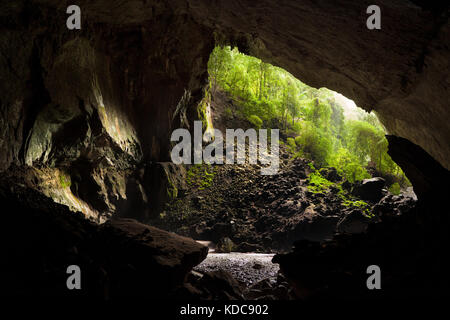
(269, 95)
(172, 190)
(228, 113)
(201, 114)
(348, 165)
(64, 180)
(359, 204)
(291, 146)
(395, 188)
(314, 144)
(291, 142)
(200, 176)
(225, 245)
(298, 140)
(256, 121)
(317, 183)
(365, 140)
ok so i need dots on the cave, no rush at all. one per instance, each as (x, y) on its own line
(87, 116)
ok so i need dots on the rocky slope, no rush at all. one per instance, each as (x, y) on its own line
(265, 213)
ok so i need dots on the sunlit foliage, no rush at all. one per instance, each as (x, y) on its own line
(310, 118)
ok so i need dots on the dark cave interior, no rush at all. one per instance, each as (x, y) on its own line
(86, 117)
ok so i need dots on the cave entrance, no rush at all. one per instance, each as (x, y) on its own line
(334, 168)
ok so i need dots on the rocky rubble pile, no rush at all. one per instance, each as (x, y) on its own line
(221, 285)
(245, 211)
(337, 268)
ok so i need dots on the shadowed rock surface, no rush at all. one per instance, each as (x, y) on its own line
(119, 258)
(98, 101)
(410, 248)
(244, 211)
(370, 189)
(86, 118)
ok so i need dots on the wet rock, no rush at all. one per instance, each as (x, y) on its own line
(267, 290)
(225, 245)
(119, 258)
(330, 174)
(392, 205)
(257, 266)
(313, 226)
(370, 189)
(193, 276)
(221, 230)
(167, 257)
(249, 247)
(336, 268)
(263, 284)
(353, 222)
(240, 265)
(221, 285)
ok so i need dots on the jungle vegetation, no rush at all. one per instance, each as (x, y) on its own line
(310, 120)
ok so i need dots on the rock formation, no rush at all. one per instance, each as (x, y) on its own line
(86, 115)
(119, 258)
(96, 101)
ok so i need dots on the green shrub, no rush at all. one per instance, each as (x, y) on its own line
(200, 176)
(297, 127)
(225, 245)
(359, 204)
(317, 183)
(395, 188)
(64, 180)
(291, 142)
(314, 143)
(348, 165)
(228, 113)
(172, 190)
(256, 121)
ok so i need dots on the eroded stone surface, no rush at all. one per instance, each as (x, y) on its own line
(112, 93)
(41, 239)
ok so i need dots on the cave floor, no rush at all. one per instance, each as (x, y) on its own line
(247, 268)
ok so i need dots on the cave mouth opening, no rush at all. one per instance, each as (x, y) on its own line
(335, 174)
(319, 124)
(87, 116)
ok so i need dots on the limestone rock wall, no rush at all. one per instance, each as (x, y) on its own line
(104, 98)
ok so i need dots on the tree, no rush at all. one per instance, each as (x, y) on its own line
(270, 95)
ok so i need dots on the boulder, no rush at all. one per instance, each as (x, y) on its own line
(221, 285)
(392, 205)
(249, 247)
(221, 230)
(312, 225)
(225, 245)
(161, 258)
(331, 174)
(118, 258)
(353, 222)
(370, 189)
